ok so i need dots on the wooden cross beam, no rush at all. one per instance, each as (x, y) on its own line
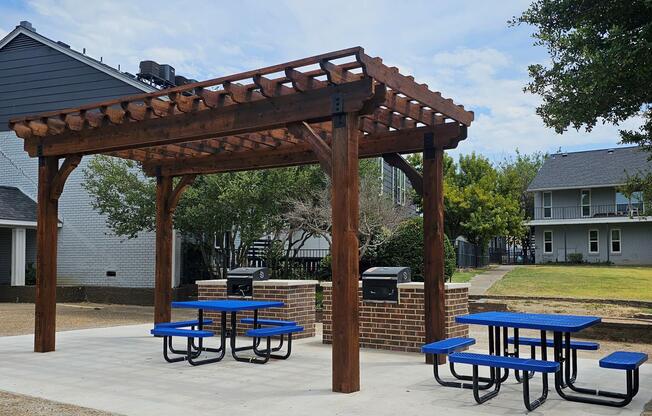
(415, 178)
(264, 114)
(321, 149)
(446, 135)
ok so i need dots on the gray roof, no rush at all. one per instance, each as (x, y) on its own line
(590, 169)
(15, 205)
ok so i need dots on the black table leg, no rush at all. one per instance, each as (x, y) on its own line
(235, 350)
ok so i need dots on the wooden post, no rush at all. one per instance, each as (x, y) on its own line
(46, 257)
(346, 344)
(433, 242)
(163, 278)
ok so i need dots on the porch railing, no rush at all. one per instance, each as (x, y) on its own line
(593, 211)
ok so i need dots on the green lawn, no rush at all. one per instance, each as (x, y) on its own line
(465, 276)
(592, 282)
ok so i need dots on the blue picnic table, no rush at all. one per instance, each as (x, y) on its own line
(231, 307)
(562, 326)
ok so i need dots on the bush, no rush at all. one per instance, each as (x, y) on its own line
(405, 248)
(575, 258)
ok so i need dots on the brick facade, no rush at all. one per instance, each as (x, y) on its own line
(399, 326)
(298, 297)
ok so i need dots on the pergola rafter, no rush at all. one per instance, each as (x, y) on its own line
(330, 109)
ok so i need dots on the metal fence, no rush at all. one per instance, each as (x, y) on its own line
(303, 264)
(469, 255)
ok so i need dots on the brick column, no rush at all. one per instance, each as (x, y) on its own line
(298, 297)
(400, 326)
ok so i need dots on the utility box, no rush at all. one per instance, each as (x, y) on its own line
(240, 281)
(380, 284)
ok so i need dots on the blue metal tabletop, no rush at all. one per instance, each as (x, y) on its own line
(547, 322)
(227, 305)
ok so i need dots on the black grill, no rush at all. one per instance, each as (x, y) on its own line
(239, 282)
(380, 284)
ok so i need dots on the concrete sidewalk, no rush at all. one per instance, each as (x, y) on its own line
(121, 370)
(482, 282)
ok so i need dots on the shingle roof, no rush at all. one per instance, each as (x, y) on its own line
(593, 168)
(15, 205)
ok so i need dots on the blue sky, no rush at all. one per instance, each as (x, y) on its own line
(464, 49)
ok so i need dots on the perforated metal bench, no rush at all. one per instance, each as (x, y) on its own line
(191, 353)
(268, 333)
(512, 363)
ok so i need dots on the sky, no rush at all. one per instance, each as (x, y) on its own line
(464, 49)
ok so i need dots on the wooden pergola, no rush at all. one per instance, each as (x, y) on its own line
(330, 109)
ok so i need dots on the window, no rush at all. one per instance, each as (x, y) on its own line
(615, 240)
(585, 201)
(594, 245)
(547, 242)
(547, 205)
(623, 203)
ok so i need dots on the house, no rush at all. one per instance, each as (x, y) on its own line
(38, 74)
(579, 208)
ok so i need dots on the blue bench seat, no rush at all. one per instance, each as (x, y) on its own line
(183, 324)
(447, 346)
(177, 332)
(536, 342)
(270, 322)
(273, 331)
(623, 360)
(513, 363)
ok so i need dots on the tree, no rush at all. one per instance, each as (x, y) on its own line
(246, 205)
(514, 176)
(475, 205)
(601, 63)
(379, 216)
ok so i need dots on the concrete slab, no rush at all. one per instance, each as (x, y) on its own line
(120, 369)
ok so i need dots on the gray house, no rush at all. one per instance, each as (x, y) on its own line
(38, 74)
(578, 208)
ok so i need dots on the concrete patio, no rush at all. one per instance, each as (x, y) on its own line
(120, 369)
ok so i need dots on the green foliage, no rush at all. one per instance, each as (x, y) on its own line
(246, 204)
(575, 258)
(482, 201)
(476, 204)
(405, 248)
(124, 196)
(600, 63)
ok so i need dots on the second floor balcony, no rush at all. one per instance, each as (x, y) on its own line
(633, 210)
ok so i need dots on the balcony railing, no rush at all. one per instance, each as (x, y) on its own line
(593, 211)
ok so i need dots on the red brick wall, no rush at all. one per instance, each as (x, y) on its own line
(299, 304)
(399, 326)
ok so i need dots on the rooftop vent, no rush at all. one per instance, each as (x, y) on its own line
(564, 154)
(610, 151)
(65, 45)
(27, 25)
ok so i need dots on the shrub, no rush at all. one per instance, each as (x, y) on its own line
(405, 248)
(575, 258)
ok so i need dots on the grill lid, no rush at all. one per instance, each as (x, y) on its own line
(400, 274)
(255, 273)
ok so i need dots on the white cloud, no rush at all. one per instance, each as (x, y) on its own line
(468, 53)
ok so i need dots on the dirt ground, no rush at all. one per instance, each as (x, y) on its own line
(18, 405)
(18, 318)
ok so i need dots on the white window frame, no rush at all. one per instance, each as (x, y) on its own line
(543, 203)
(620, 240)
(597, 241)
(552, 248)
(582, 203)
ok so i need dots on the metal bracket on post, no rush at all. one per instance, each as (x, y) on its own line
(39, 149)
(429, 146)
(337, 110)
(157, 171)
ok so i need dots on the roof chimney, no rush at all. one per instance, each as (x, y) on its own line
(27, 25)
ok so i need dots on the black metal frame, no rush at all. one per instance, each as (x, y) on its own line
(193, 351)
(564, 379)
